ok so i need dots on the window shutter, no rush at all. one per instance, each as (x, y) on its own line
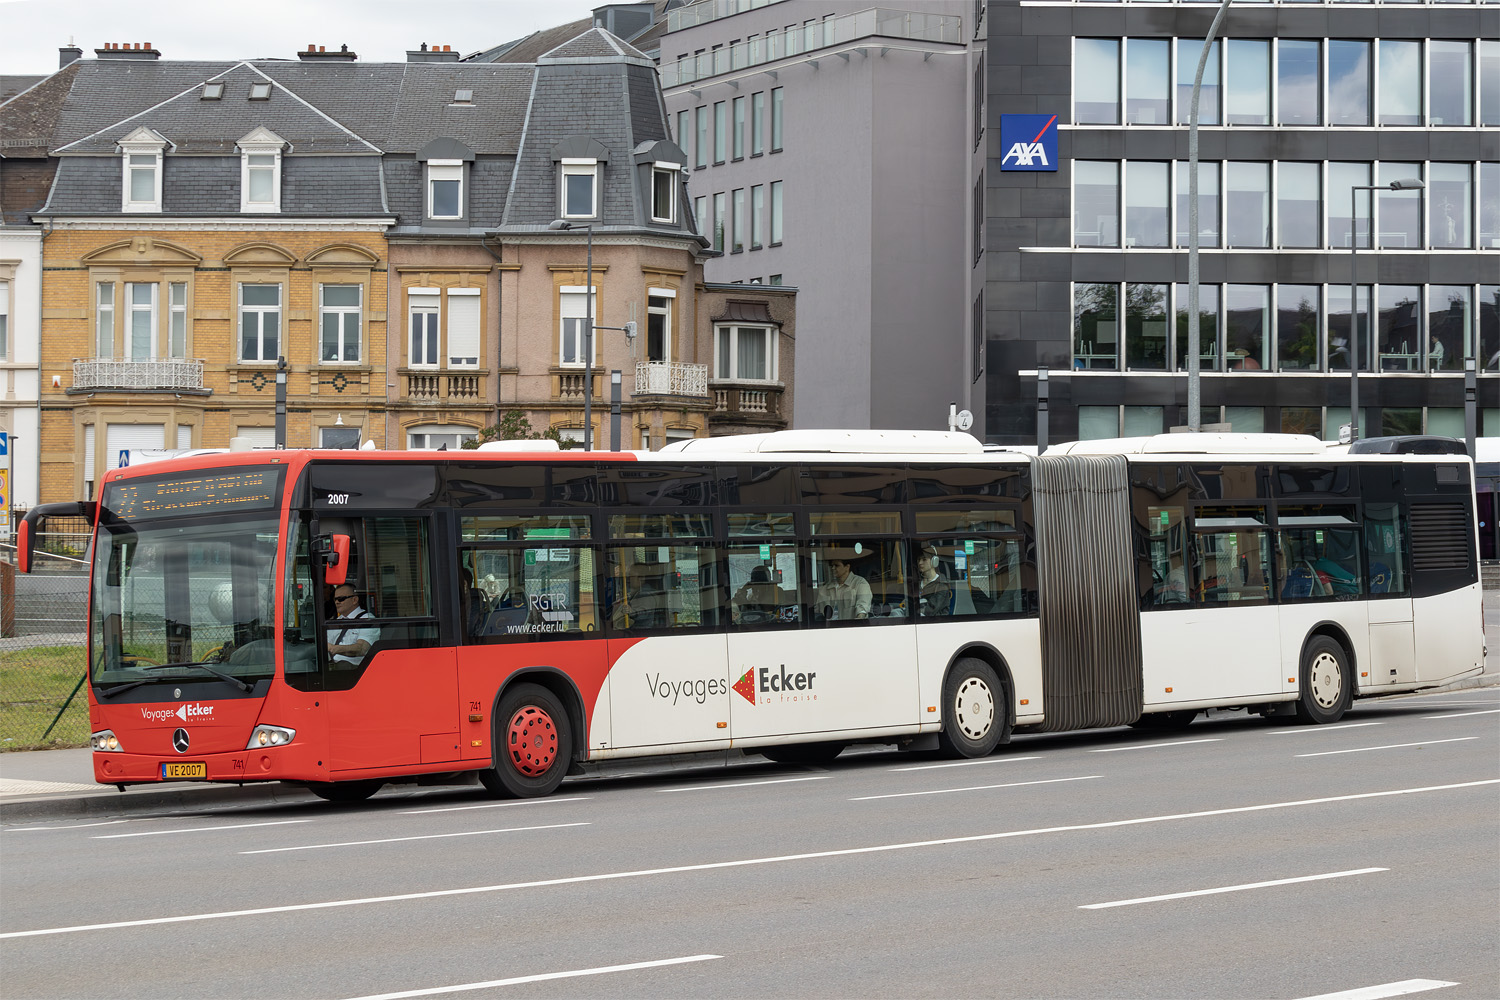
(1439, 536)
(463, 330)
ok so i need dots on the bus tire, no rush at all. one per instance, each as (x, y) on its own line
(1327, 683)
(345, 791)
(973, 710)
(533, 744)
(803, 753)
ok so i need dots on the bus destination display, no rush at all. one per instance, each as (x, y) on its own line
(258, 489)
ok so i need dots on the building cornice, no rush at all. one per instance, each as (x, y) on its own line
(137, 223)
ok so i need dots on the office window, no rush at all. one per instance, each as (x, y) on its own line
(1338, 328)
(176, 320)
(1148, 95)
(700, 212)
(1208, 327)
(1146, 203)
(1450, 204)
(976, 229)
(664, 192)
(1249, 204)
(1489, 329)
(1208, 204)
(719, 222)
(776, 119)
(572, 306)
(445, 179)
(580, 193)
(1098, 422)
(1096, 326)
(701, 148)
(260, 322)
(1343, 178)
(1210, 95)
(978, 100)
(1489, 204)
(104, 320)
(1400, 82)
(1489, 82)
(1349, 81)
(1297, 327)
(1245, 419)
(1247, 324)
(685, 131)
(1299, 204)
(757, 123)
(463, 327)
(1399, 213)
(757, 216)
(737, 137)
(738, 239)
(1451, 94)
(1142, 421)
(1146, 327)
(143, 181)
(1398, 330)
(140, 320)
(1249, 96)
(721, 131)
(776, 208)
(745, 353)
(422, 309)
(1299, 82)
(1096, 203)
(1450, 317)
(1096, 81)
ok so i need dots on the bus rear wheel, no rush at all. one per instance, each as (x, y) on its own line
(973, 710)
(344, 791)
(533, 744)
(803, 753)
(1326, 689)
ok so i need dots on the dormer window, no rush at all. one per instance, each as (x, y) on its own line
(141, 153)
(213, 91)
(445, 183)
(580, 188)
(664, 191)
(260, 92)
(463, 97)
(260, 171)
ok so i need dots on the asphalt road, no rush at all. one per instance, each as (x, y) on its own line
(882, 875)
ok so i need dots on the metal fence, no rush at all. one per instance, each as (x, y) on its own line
(43, 649)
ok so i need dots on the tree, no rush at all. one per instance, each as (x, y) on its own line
(514, 426)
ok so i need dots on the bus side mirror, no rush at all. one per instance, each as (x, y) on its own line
(335, 552)
(33, 526)
(23, 548)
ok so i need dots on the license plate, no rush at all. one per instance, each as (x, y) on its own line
(185, 769)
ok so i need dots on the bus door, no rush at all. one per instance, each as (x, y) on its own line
(1393, 657)
(390, 691)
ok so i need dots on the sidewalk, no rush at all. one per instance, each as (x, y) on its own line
(59, 784)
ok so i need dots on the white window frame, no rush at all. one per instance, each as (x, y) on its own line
(665, 312)
(579, 167)
(466, 361)
(148, 309)
(668, 171)
(421, 437)
(248, 168)
(144, 148)
(4, 319)
(572, 303)
(343, 312)
(426, 302)
(444, 171)
(104, 319)
(177, 319)
(733, 346)
(261, 311)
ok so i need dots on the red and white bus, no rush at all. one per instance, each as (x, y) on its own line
(790, 594)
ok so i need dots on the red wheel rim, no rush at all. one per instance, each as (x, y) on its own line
(532, 741)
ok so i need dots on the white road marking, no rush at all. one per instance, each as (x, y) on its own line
(1321, 729)
(541, 978)
(79, 826)
(198, 829)
(493, 805)
(1229, 888)
(1459, 715)
(964, 763)
(27, 786)
(1153, 746)
(973, 788)
(741, 784)
(1388, 746)
(1400, 989)
(402, 840)
(741, 863)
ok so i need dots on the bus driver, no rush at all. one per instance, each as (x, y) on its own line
(349, 644)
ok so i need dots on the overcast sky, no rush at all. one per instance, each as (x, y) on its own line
(31, 31)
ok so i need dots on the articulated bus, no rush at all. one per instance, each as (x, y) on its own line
(789, 594)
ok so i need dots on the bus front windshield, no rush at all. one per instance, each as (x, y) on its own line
(183, 601)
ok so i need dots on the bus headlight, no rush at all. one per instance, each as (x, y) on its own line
(105, 741)
(270, 736)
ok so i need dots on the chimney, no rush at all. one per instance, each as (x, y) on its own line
(127, 50)
(320, 53)
(67, 54)
(438, 53)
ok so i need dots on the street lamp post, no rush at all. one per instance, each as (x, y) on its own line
(1195, 398)
(588, 332)
(1406, 184)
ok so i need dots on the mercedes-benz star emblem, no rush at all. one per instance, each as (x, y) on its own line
(180, 740)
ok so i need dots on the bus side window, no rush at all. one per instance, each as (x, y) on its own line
(1385, 549)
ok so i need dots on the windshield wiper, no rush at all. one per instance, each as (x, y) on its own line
(111, 692)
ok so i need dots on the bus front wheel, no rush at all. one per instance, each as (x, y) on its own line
(532, 744)
(973, 710)
(1326, 688)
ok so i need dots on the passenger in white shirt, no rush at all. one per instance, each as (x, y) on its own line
(847, 594)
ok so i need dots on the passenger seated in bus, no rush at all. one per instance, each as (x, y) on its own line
(758, 599)
(847, 596)
(936, 597)
(349, 643)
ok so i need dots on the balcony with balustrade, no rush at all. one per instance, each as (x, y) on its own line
(747, 407)
(181, 376)
(671, 378)
(435, 386)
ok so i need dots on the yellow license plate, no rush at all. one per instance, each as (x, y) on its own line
(185, 769)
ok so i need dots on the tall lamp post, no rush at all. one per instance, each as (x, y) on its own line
(1405, 184)
(588, 333)
(1195, 399)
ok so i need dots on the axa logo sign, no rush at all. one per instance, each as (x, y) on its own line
(1029, 141)
(764, 685)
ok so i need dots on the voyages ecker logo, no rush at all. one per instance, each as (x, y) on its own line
(1029, 141)
(775, 684)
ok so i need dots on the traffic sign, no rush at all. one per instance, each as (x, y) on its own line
(4, 443)
(4, 489)
(124, 457)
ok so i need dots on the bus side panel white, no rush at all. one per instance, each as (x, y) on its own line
(1298, 619)
(821, 679)
(1018, 641)
(601, 725)
(1449, 633)
(669, 689)
(1209, 654)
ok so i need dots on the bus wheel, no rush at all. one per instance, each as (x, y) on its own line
(344, 791)
(973, 713)
(803, 753)
(1325, 691)
(533, 745)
